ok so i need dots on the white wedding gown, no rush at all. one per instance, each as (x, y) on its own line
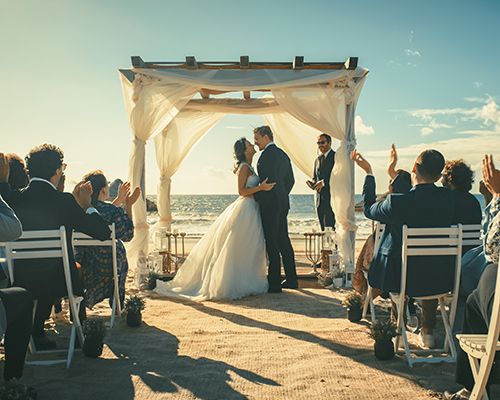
(229, 262)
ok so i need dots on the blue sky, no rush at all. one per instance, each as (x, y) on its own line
(433, 78)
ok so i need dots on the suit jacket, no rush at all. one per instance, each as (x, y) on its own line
(40, 207)
(324, 172)
(275, 165)
(425, 206)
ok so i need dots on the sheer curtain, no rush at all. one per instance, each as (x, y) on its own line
(296, 138)
(330, 109)
(151, 104)
(173, 146)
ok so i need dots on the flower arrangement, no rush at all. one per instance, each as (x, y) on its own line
(383, 329)
(134, 304)
(352, 300)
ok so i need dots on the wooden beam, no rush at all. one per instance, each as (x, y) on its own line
(298, 62)
(137, 62)
(204, 94)
(246, 95)
(191, 62)
(351, 63)
(244, 62)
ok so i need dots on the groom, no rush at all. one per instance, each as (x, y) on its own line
(275, 165)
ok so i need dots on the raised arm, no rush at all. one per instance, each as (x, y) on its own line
(391, 169)
(243, 174)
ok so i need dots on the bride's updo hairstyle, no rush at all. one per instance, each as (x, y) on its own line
(239, 152)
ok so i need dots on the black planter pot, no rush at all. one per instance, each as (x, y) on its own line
(92, 348)
(151, 282)
(384, 349)
(134, 319)
(354, 313)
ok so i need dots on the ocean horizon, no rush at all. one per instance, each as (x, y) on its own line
(194, 213)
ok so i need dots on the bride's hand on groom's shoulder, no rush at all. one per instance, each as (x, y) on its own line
(266, 186)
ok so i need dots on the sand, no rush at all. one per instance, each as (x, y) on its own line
(294, 345)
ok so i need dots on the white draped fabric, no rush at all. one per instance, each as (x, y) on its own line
(173, 146)
(305, 103)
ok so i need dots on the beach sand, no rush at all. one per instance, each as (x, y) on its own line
(295, 345)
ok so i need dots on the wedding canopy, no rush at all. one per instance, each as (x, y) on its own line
(173, 104)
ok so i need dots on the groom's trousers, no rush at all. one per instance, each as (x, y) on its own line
(275, 225)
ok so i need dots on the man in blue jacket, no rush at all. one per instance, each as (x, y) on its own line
(425, 206)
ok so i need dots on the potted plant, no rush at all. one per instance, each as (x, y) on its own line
(151, 280)
(14, 390)
(94, 332)
(134, 305)
(382, 331)
(353, 303)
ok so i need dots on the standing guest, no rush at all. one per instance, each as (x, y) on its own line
(16, 306)
(320, 182)
(480, 303)
(97, 262)
(41, 206)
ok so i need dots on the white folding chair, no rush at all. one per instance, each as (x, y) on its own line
(42, 245)
(481, 349)
(83, 240)
(378, 231)
(430, 242)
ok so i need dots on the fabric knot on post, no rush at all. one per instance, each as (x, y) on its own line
(139, 142)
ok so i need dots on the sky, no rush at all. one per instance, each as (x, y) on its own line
(433, 80)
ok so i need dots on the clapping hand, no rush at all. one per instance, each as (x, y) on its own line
(491, 175)
(391, 169)
(123, 193)
(4, 168)
(83, 194)
(362, 163)
(132, 197)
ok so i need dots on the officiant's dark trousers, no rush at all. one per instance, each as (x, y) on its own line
(18, 304)
(275, 225)
(477, 316)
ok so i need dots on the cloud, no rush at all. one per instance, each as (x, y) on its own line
(361, 128)
(488, 115)
(412, 53)
(410, 36)
(236, 127)
(478, 84)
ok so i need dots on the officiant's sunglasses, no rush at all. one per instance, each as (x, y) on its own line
(320, 142)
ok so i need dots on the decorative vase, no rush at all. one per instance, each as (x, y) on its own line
(384, 349)
(354, 313)
(92, 348)
(134, 319)
(338, 282)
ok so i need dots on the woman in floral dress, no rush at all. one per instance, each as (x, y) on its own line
(97, 262)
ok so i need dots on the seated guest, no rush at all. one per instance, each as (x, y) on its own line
(400, 183)
(425, 206)
(323, 166)
(16, 305)
(41, 206)
(480, 303)
(458, 176)
(97, 262)
(474, 261)
(18, 177)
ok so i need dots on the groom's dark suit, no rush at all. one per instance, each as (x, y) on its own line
(275, 165)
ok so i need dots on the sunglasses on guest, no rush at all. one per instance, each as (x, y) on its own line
(321, 142)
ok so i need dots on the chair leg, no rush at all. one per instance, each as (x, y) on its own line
(368, 300)
(71, 347)
(113, 313)
(372, 310)
(447, 328)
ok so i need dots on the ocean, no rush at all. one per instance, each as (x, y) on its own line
(194, 214)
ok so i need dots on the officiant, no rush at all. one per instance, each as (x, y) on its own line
(320, 181)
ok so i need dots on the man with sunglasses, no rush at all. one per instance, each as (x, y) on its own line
(320, 182)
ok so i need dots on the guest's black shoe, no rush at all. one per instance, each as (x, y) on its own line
(274, 290)
(289, 285)
(44, 343)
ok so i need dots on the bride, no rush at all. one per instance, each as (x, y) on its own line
(229, 262)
